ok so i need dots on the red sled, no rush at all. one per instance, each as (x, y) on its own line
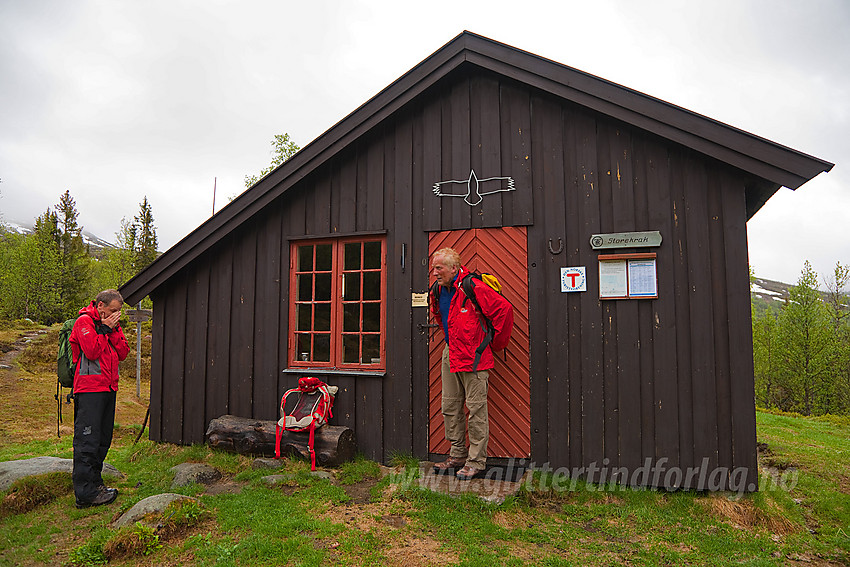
(305, 408)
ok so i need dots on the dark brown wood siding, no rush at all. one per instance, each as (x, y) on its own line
(612, 382)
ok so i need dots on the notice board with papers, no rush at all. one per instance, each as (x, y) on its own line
(628, 276)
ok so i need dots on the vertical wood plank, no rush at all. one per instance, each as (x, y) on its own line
(661, 213)
(369, 428)
(486, 147)
(429, 151)
(459, 129)
(425, 168)
(645, 308)
(701, 312)
(293, 217)
(373, 217)
(241, 390)
(266, 318)
(398, 385)
(218, 347)
(197, 305)
(320, 200)
(515, 115)
(345, 403)
(720, 312)
(516, 136)
(609, 323)
(575, 241)
(740, 332)
(548, 172)
(628, 382)
(348, 192)
(157, 355)
(174, 362)
(591, 310)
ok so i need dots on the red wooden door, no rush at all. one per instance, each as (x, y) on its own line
(504, 253)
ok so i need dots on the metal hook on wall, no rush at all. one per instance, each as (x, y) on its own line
(560, 246)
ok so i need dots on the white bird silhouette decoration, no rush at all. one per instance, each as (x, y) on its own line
(474, 189)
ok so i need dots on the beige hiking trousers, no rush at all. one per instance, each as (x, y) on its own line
(469, 387)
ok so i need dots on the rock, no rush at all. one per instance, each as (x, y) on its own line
(264, 463)
(277, 478)
(151, 505)
(187, 473)
(10, 471)
(322, 474)
(487, 489)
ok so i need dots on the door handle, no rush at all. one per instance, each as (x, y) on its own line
(423, 327)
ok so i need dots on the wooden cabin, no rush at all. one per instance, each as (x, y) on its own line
(542, 174)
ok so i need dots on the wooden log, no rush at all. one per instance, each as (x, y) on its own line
(334, 444)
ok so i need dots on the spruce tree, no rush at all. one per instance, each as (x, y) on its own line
(146, 242)
(74, 263)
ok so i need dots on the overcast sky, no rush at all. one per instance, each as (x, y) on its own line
(117, 100)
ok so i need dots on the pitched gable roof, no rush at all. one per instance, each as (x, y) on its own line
(775, 165)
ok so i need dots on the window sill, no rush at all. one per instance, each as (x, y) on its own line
(334, 372)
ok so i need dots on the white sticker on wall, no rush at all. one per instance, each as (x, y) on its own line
(574, 279)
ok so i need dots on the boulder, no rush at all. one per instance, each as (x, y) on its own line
(10, 471)
(188, 473)
(155, 504)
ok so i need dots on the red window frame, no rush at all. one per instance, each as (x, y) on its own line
(339, 314)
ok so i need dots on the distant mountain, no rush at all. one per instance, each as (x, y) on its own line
(770, 291)
(772, 295)
(95, 243)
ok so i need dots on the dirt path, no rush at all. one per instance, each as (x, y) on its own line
(30, 405)
(9, 356)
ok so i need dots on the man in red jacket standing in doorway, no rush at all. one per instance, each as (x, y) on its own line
(98, 345)
(465, 367)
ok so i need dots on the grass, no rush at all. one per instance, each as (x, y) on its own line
(365, 516)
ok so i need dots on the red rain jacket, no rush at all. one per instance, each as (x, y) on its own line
(96, 354)
(465, 325)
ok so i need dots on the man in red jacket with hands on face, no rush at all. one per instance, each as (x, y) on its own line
(98, 345)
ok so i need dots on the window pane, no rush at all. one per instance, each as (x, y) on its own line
(372, 285)
(305, 258)
(304, 317)
(352, 256)
(351, 317)
(322, 322)
(322, 344)
(324, 257)
(372, 317)
(305, 287)
(351, 287)
(351, 348)
(371, 255)
(323, 287)
(302, 347)
(371, 349)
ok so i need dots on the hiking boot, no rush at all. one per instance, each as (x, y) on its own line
(449, 464)
(468, 473)
(104, 496)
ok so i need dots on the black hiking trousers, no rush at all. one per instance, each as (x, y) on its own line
(94, 418)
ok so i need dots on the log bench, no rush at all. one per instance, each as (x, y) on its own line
(334, 444)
